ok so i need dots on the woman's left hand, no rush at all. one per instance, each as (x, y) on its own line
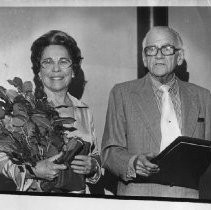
(83, 164)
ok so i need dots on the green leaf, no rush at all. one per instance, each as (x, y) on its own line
(59, 129)
(41, 121)
(34, 148)
(18, 121)
(38, 113)
(7, 144)
(24, 104)
(57, 141)
(17, 82)
(7, 122)
(2, 113)
(16, 157)
(71, 129)
(31, 99)
(29, 129)
(51, 151)
(27, 86)
(61, 106)
(3, 130)
(20, 99)
(19, 110)
(64, 120)
(11, 94)
(44, 107)
(2, 89)
(4, 96)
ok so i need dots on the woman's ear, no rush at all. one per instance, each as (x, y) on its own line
(180, 57)
(73, 74)
(40, 76)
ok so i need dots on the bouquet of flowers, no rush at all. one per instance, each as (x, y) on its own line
(30, 128)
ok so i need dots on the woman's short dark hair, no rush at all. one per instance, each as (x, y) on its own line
(56, 37)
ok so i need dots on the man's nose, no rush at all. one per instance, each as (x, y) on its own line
(159, 54)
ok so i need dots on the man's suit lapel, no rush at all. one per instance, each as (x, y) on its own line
(144, 98)
(190, 110)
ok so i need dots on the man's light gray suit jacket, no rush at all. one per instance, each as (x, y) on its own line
(133, 127)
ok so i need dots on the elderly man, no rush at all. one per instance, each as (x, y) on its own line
(145, 115)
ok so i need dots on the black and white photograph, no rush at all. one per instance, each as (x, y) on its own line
(105, 104)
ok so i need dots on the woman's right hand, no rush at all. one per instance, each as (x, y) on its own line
(47, 169)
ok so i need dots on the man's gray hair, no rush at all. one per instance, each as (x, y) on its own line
(165, 28)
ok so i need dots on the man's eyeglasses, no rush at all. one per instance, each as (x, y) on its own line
(166, 50)
(63, 63)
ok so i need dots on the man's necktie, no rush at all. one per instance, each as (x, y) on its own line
(169, 125)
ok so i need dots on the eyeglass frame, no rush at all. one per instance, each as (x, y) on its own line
(53, 63)
(160, 48)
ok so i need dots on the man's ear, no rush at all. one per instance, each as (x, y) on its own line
(144, 59)
(180, 57)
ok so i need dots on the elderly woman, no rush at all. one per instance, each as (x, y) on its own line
(56, 63)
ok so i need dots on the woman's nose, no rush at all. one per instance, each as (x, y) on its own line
(56, 67)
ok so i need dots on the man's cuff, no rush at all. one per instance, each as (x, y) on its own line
(131, 172)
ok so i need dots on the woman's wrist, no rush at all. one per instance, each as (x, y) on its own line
(94, 167)
(95, 173)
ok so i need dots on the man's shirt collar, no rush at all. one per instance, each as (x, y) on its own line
(172, 84)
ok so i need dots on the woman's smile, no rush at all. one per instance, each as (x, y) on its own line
(57, 77)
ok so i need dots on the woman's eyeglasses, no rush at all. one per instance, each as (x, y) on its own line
(63, 63)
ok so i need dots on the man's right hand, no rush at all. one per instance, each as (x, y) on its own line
(144, 167)
(47, 169)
